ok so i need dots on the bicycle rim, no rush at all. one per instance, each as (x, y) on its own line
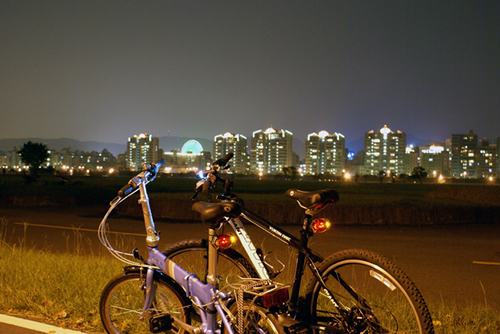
(374, 294)
(122, 303)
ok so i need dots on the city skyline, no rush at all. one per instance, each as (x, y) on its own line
(104, 70)
(411, 140)
(270, 152)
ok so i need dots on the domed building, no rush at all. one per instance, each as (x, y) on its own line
(192, 146)
(191, 158)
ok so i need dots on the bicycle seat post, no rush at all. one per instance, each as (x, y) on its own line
(152, 238)
(212, 257)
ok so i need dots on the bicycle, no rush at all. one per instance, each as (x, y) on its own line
(351, 291)
(156, 295)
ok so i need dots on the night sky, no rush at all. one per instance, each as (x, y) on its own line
(107, 70)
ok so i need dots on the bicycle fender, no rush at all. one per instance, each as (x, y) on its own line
(157, 275)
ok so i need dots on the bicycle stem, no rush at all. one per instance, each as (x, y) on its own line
(152, 237)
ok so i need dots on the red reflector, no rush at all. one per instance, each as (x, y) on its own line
(275, 298)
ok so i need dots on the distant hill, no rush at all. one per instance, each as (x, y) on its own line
(60, 143)
(166, 143)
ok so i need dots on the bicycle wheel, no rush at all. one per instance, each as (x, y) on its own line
(374, 296)
(192, 255)
(255, 319)
(122, 301)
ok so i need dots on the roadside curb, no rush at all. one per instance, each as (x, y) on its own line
(35, 326)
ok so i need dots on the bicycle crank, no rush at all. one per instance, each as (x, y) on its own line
(160, 323)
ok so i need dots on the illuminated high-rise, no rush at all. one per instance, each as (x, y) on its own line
(141, 149)
(385, 151)
(435, 159)
(271, 151)
(325, 153)
(463, 155)
(487, 159)
(228, 142)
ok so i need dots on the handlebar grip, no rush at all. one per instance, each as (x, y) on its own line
(125, 190)
(159, 163)
(224, 160)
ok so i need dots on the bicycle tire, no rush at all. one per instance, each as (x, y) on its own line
(122, 301)
(382, 299)
(192, 255)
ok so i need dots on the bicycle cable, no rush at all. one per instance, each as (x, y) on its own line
(103, 236)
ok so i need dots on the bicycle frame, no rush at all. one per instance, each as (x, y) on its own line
(204, 296)
(305, 254)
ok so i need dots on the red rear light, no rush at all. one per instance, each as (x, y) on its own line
(320, 225)
(225, 241)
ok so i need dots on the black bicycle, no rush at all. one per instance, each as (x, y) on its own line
(351, 291)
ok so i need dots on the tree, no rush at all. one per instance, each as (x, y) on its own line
(34, 155)
(418, 173)
(381, 174)
(290, 172)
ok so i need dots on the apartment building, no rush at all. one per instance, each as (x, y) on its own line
(487, 159)
(236, 143)
(435, 159)
(385, 151)
(271, 151)
(141, 149)
(325, 153)
(463, 155)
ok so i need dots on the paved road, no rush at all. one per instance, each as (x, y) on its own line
(449, 263)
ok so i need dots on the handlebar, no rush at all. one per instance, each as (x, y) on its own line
(211, 176)
(224, 160)
(149, 172)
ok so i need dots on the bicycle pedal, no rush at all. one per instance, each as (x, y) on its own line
(286, 320)
(160, 323)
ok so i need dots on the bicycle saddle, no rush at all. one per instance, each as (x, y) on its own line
(314, 200)
(212, 212)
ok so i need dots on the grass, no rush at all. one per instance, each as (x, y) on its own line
(64, 289)
(464, 320)
(61, 289)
